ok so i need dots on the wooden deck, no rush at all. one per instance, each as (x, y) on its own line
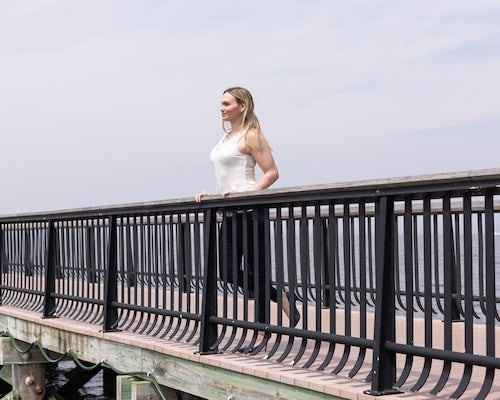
(219, 376)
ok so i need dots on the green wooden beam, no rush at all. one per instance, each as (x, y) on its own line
(6, 374)
(13, 395)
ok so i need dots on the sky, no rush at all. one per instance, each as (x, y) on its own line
(106, 102)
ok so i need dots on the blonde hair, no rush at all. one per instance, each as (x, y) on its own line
(249, 121)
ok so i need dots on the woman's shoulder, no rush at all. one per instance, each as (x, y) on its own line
(253, 133)
(254, 138)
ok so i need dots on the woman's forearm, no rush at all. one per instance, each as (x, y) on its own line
(266, 180)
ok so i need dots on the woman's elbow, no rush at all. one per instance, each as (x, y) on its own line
(275, 175)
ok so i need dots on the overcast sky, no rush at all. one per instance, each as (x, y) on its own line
(109, 102)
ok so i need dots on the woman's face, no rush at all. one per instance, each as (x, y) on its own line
(230, 109)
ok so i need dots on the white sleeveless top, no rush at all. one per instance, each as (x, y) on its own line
(234, 170)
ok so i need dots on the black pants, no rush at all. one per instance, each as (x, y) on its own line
(232, 252)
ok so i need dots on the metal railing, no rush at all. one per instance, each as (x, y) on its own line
(371, 265)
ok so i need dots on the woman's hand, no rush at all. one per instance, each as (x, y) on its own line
(198, 196)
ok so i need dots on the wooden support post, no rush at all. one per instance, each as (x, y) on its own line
(109, 382)
(144, 390)
(28, 370)
(133, 388)
(29, 381)
(123, 387)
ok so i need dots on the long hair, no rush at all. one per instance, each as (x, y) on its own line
(249, 121)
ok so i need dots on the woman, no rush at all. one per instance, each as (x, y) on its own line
(234, 158)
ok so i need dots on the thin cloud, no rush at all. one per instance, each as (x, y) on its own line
(118, 101)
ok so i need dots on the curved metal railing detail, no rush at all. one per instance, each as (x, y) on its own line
(399, 261)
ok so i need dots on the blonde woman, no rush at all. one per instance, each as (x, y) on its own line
(234, 158)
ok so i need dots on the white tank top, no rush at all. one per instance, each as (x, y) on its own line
(234, 170)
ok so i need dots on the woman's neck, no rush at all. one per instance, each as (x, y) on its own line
(236, 129)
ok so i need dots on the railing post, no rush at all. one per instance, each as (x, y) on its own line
(383, 375)
(111, 280)
(49, 304)
(208, 335)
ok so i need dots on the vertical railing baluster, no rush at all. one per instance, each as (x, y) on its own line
(362, 286)
(490, 286)
(111, 280)
(409, 288)
(448, 277)
(181, 256)
(455, 270)
(187, 250)
(327, 285)
(208, 335)
(91, 249)
(384, 361)
(49, 305)
(347, 262)
(266, 233)
(428, 306)
(468, 291)
(28, 255)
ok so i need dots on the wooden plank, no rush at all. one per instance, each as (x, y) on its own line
(89, 348)
(197, 378)
(132, 388)
(124, 387)
(10, 355)
(175, 364)
(210, 382)
(144, 390)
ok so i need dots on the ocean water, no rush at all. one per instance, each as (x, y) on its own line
(57, 378)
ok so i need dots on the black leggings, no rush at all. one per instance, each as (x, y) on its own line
(227, 256)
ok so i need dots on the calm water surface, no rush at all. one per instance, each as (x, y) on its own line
(92, 390)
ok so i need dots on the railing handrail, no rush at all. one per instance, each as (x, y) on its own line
(374, 187)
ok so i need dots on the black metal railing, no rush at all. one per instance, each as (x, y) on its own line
(381, 271)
